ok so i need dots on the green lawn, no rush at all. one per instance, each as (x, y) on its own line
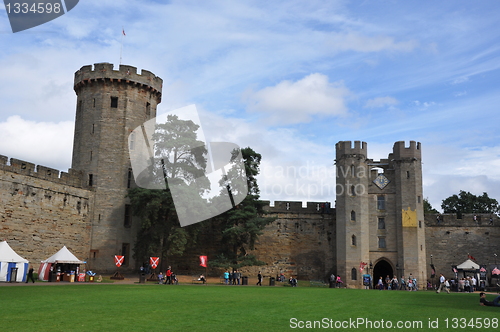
(151, 307)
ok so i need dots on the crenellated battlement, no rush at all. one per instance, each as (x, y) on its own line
(297, 207)
(400, 151)
(71, 178)
(346, 148)
(128, 74)
(466, 220)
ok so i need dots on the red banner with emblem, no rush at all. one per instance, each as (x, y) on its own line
(119, 260)
(154, 261)
(203, 261)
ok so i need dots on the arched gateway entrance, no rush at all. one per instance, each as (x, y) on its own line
(382, 269)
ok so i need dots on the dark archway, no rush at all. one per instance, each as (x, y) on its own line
(382, 269)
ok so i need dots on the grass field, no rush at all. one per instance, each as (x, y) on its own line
(152, 307)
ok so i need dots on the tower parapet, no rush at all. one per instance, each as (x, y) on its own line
(345, 148)
(126, 74)
(400, 151)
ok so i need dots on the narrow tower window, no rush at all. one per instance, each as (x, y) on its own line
(353, 215)
(381, 202)
(353, 240)
(126, 253)
(148, 110)
(114, 102)
(354, 274)
(127, 222)
(381, 242)
(129, 178)
(381, 223)
(91, 180)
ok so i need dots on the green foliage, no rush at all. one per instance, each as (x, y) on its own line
(240, 227)
(465, 202)
(428, 207)
(180, 158)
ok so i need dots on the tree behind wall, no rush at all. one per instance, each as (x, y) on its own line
(465, 202)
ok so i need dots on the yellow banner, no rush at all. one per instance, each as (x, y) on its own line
(409, 218)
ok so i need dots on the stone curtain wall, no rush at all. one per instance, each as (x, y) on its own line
(300, 242)
(41, 212)
(452, 239)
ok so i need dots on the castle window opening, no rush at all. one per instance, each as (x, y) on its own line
(127, 221)
(93, 103)
(381, 202)
(114, 102)
(353, 171)
(91, 155)
(420, 224)
(407, 174)
(419, 199)
(93, 128)
(353, 215)
(148, 109)
(354, 274)
(126, 253)
(381, 242)
(131, 141)
(353, 190)
(93, 253)
(381, 223)
(353, 240)
(129, 178)
(91, 180)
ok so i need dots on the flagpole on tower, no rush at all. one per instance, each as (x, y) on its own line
(121, 44)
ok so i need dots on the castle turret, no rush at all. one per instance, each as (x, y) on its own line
(352, 210)
(409, 205)
(110, 104)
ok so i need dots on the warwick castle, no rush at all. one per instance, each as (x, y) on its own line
(375, 224)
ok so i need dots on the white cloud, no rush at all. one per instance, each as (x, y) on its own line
(459, 80)
(295, 102)
(354, 41)
(381, 102)
(42, 143)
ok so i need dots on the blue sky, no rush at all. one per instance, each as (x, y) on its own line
(287, 78)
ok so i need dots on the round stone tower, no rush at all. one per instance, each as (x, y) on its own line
(110, 104)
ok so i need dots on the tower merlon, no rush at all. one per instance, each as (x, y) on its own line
(346, 148)
(400, 151)
(125, 73)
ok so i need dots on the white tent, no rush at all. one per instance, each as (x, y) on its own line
(63, 256)
(10, 260)
(468, 265)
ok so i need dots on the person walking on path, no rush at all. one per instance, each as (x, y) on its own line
(259, 278)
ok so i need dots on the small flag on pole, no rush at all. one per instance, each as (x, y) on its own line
(153, 261)
(123, 32)
(119, 260)
(203, 261)
(362, 266)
